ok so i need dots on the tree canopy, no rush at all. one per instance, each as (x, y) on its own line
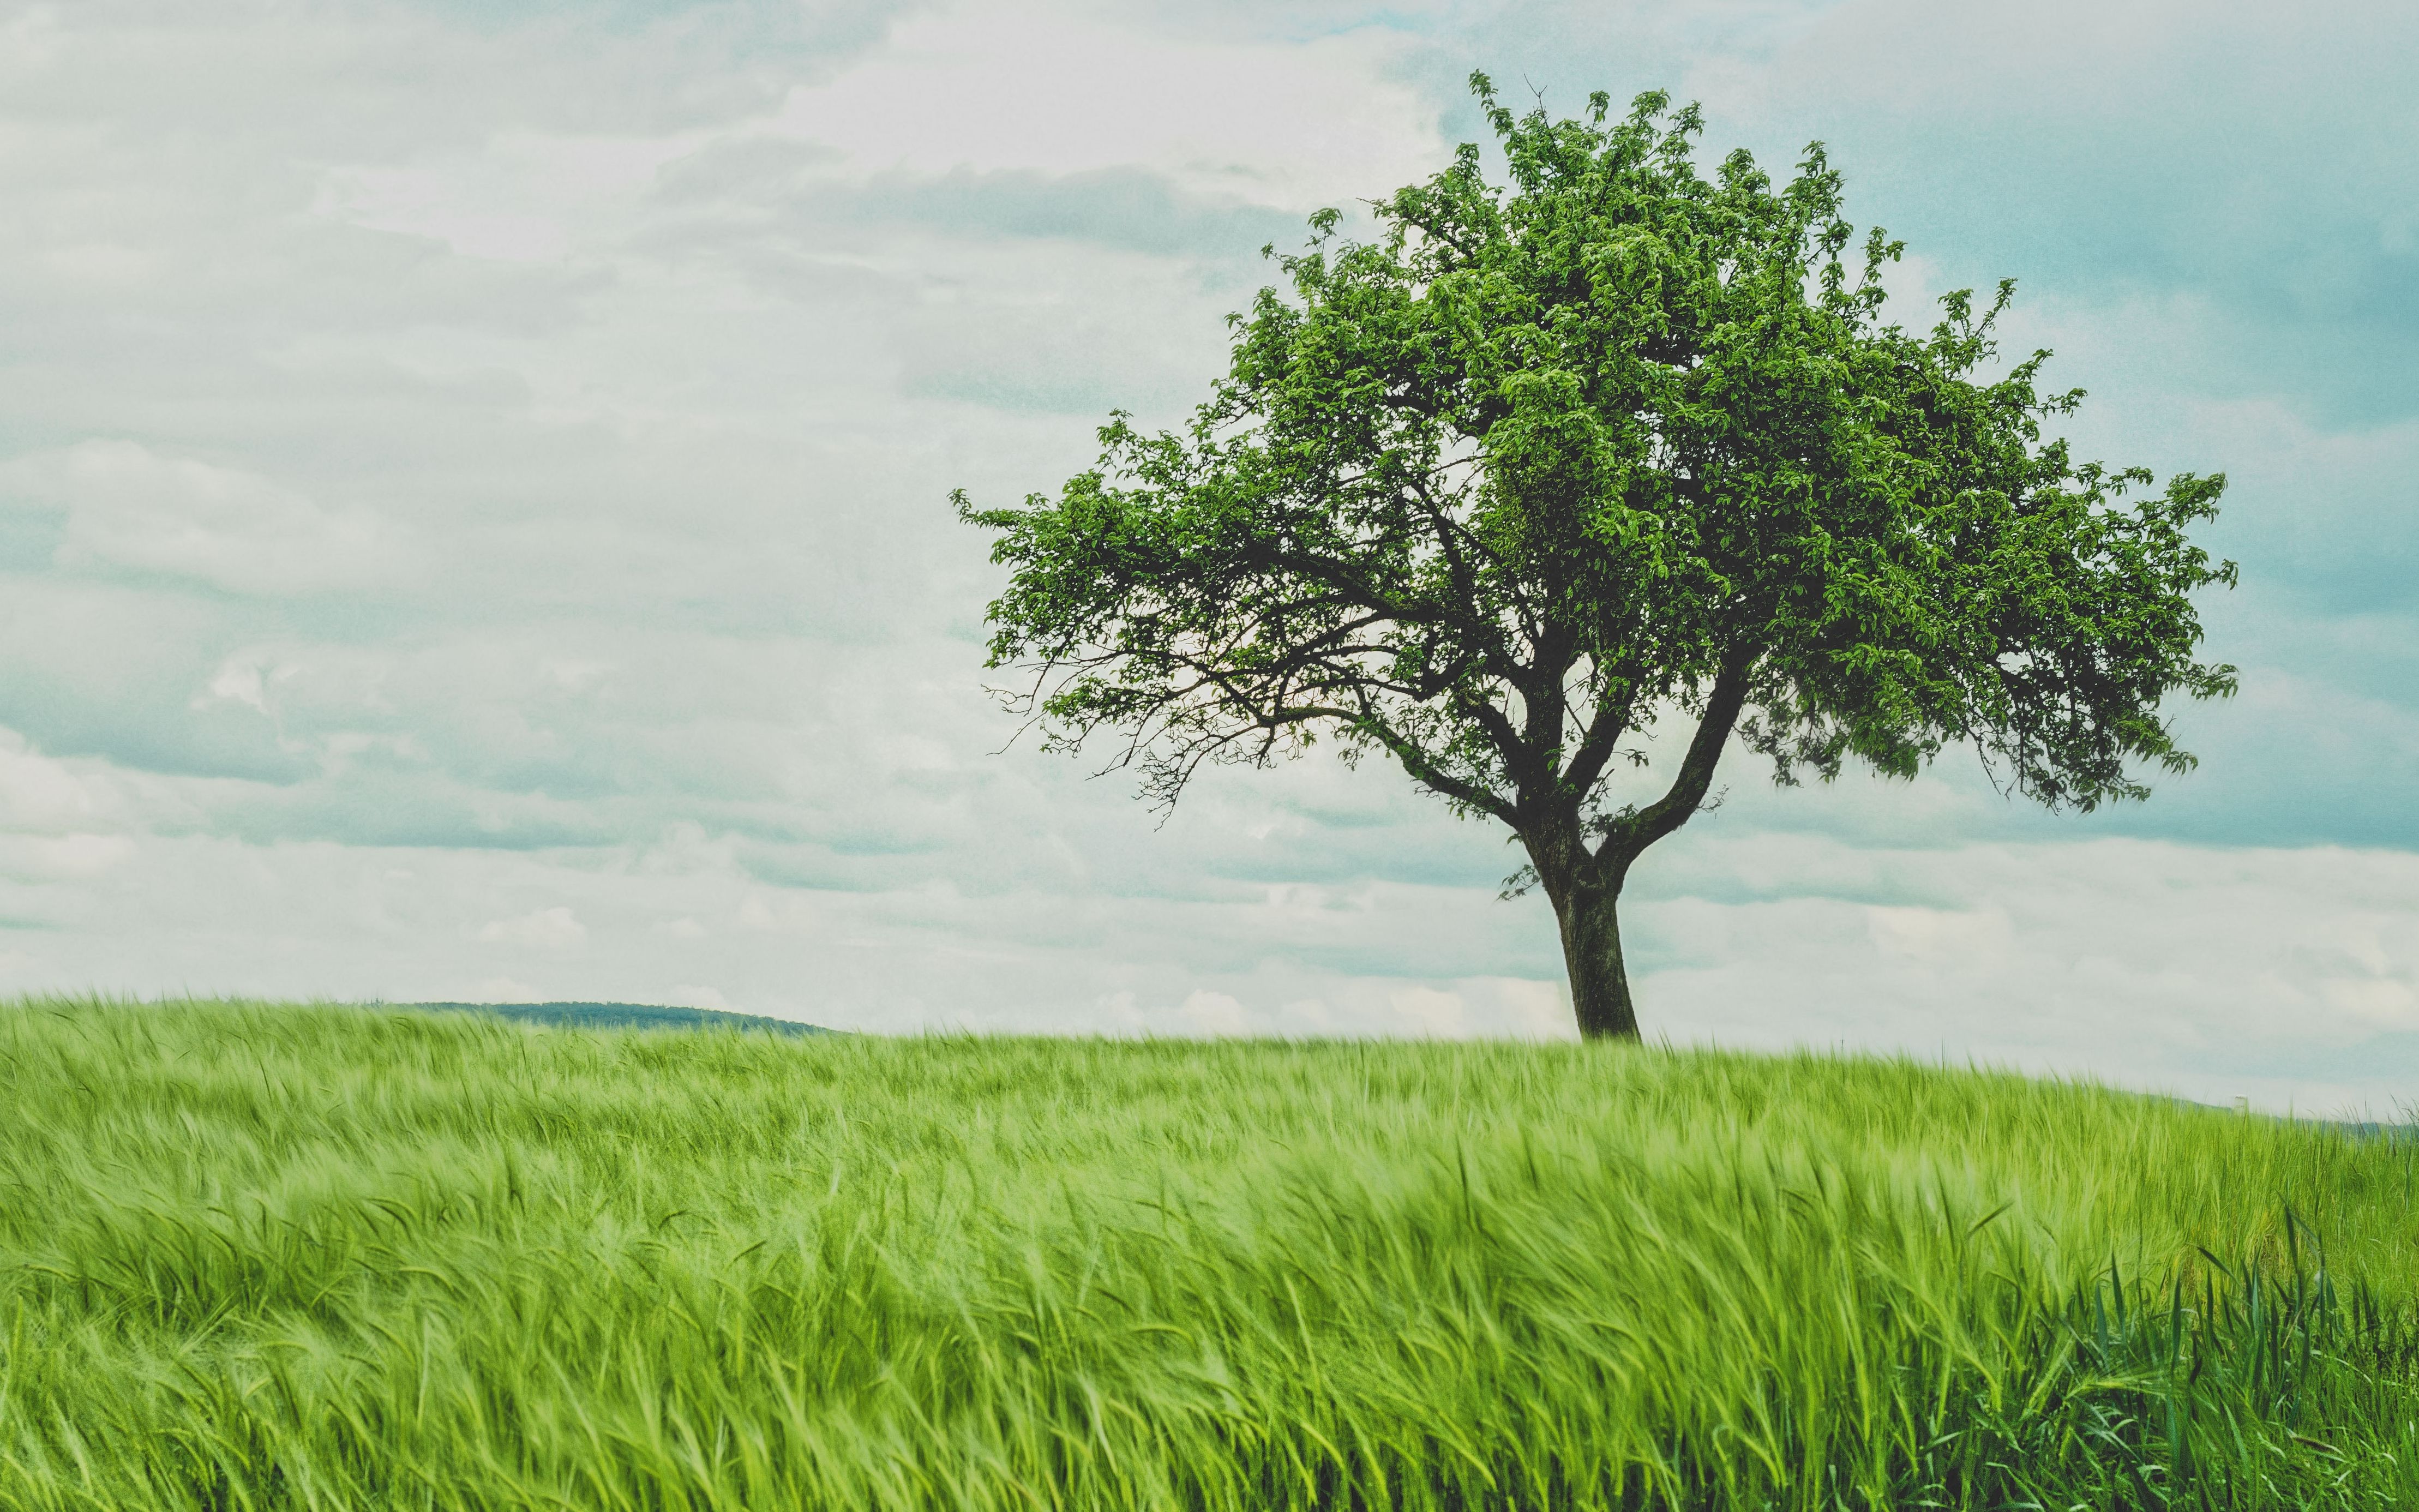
(1538, 469)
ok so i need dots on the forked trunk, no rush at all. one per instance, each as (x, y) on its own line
(1591, 951)
(1584, 881)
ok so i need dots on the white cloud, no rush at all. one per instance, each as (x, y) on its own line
(2375, 1001)
(1426, 1011)
(79, 806)
(239, 680)
(1940, 937)
(250, 677)
(127, 507)
(553, 928)
(43, 796)
(1215, 1014)
(519, 196)
(73, 857)
(1296, 124)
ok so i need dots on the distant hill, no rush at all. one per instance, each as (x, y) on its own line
(625, 1016)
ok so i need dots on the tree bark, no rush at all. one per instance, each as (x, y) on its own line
(1587, 912)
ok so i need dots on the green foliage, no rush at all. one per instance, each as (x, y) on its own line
(1538, 466)
(285, 1257)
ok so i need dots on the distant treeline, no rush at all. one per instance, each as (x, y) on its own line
(624, 1016)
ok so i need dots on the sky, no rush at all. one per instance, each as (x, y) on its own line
(474, 525)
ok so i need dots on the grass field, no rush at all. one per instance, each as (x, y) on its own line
(279, 1257)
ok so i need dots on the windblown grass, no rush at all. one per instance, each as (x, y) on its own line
(276, 1257)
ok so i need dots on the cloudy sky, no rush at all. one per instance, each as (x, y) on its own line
(472, 511)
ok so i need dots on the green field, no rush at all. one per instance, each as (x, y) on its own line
(282, 1257)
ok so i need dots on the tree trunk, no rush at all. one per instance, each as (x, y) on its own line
(1592, 951)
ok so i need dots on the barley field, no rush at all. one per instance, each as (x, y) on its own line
(260, 1256)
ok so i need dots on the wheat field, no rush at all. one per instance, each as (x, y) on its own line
(263, 1255)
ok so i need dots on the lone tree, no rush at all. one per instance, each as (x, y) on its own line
(1537, 472)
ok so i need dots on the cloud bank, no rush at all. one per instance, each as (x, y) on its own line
(472, 518)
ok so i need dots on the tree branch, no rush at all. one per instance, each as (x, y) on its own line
(1669, 812)
(1422, 770)
(1597, 746)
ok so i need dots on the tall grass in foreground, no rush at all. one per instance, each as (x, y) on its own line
(273, 1257)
